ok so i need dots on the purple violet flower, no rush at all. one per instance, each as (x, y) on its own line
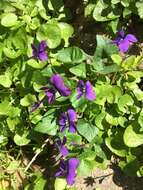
(124, 41)
(50, 93)
(40, 52)
(87, 89)
(69, 119)
(62, 148)
(57, 85)
(68, 169)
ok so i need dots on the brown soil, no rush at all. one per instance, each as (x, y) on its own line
(110, 179)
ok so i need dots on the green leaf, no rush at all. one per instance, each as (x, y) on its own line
(85, 167)
(102, 12)
(5, 80)
(139, 6)
(13, 165)
(140, 172)
(9, 19)
(125, 101)
(115, 1)
(112, 120)
(104, 46)
(125, 3)
(34, 24)
(109, 69)
(116, 58)
(11, 53)
(8, 110)
(138, 93)
(79, 70)
(40, 183)
(140, 120)
(37, 65)
(36, 184)
(57, 4)
(28, 100)
(99, 120)
(21, 139)
(12, 123)
(66, 32)
(89, 9)
(47, 126)
(71, 55)
(87, 130)
(116, 145)
(132, 137)
(78, 103)
(3, 140)
(50, 32)
(71, 137)
(113, 95)
(131, 62)
(60, 184)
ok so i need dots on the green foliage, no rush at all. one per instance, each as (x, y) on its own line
(47, 125)
(112, 124)
(112, 11)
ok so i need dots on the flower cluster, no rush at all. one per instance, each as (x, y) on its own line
(68, 119)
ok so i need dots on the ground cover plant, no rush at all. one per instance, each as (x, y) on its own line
(116, 12)
(76, 110)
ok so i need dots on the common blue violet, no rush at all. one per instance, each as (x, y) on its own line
(85, 89)
(57, 86)
(68, 119)
(40, 52)
(124, 41)
(68, 169)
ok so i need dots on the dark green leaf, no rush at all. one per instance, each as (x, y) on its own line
(71, 55)
(87, 130)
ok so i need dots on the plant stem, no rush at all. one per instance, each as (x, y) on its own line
(35, 156)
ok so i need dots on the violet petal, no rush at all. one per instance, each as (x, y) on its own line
(64, 151)
(50, 93)
(42, 46)
(90, 94)
(121, 33)
(71, 115)
(62, 169)
(64, 140)
(71, 173)
(124, 45)
(72, 127)
(80, 89)
(58, 83)
(59, 173)
(34, 50)
(62, 121)
(42, 54)
(131, 38)
(117, 40)
(62, 148)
